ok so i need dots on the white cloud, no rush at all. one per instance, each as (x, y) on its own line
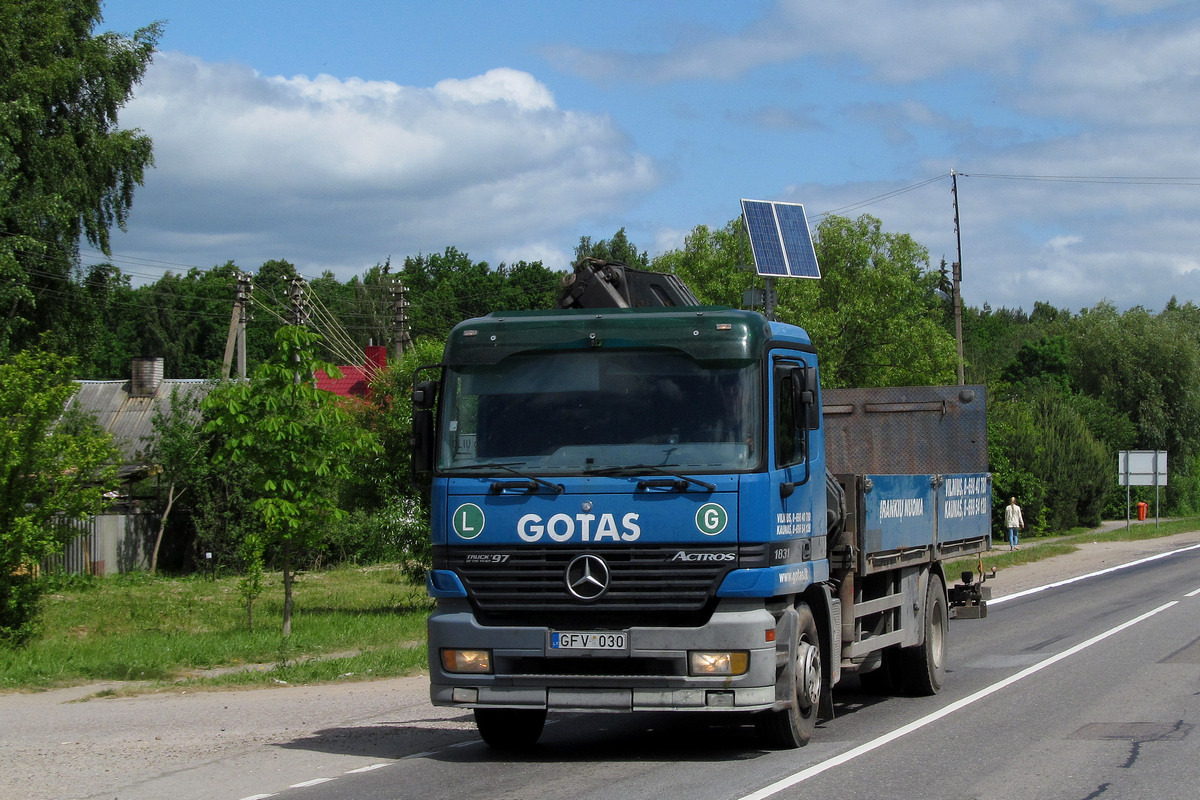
(856, 99)
(499, 86)
(339, 173)
(1070, 244)
(899, 40)
(1127, 77)
(551, 255)
(1058, 244)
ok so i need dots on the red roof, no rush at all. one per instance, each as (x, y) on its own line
(355, 380)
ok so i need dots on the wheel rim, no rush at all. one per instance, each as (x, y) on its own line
(937, 636)
(809, 674)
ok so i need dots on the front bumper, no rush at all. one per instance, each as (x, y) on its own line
(652, 675)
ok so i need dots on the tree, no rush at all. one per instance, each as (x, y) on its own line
(529, 286)
(618, 249)
(298, 443)
(179, 449)
(875, 315)
(1047, 359)
(1075, 465)
(446, 288)
(66, 170)
(54, 468)
(709, 264)
(1147, 368)
(185, 319)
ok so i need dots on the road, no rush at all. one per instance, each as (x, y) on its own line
(1084, 690)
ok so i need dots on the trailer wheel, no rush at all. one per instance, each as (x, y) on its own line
(924, 666)
(792, 727)
(510, 728)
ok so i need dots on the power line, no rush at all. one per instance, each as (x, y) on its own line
(1143, 180)
(885, 196)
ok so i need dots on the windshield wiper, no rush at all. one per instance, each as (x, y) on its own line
(532, 482)
(681, 481)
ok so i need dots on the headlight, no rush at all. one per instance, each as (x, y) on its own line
(735, 662)
(475, 661)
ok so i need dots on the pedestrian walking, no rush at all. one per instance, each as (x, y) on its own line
(1014, 521)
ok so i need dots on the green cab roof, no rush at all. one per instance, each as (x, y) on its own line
(707, 334)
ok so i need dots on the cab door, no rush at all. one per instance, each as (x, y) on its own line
(797, 459)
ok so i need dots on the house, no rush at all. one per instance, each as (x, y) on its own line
(118, 540)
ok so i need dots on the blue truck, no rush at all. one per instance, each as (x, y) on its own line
(657, 508)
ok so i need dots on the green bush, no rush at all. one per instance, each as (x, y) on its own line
(20, 596)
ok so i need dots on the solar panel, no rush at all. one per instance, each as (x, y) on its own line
(779, 239)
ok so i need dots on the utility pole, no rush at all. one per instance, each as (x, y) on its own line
(296, 295)
(237, 326)
(400, 321)
(299, 312)
(957, 281)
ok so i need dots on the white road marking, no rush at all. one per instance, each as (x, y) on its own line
(887, 738)
(368, 768)
(1056, 584)
(313, 782)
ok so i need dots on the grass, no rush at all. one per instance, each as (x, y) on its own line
(1035, 548)
(347, 624)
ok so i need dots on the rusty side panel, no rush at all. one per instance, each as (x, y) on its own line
(905, 430)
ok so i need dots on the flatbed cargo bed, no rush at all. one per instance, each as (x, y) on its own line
(913, 464)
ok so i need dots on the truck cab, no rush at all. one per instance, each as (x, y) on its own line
(616, 494)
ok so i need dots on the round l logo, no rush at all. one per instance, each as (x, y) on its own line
(468, 520)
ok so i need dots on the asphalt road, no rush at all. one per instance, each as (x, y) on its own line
(1086, 690)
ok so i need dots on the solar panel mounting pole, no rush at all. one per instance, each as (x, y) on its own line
(957, 282)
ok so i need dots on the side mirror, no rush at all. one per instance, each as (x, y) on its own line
(424, 399)
(806, 387)
(424, 395)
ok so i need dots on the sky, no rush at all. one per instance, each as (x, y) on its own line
(337, 135)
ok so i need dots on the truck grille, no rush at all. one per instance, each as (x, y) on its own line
(510, 584)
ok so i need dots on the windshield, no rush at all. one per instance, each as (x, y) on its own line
(579, 412)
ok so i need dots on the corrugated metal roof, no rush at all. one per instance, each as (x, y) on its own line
(131, 419)
(353, 383)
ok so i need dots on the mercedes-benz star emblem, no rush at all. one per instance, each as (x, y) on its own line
(587, 577)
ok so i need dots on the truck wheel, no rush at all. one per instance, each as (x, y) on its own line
(510, 728)
(924, 666)
(792, 727)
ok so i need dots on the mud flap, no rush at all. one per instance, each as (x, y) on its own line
(786, 631)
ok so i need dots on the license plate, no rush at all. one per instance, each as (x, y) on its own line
(589, 640)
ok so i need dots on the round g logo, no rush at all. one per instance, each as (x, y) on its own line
(711, 519)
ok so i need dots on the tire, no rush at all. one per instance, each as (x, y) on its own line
(792, 727)
(510, 728)
(924, 666)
